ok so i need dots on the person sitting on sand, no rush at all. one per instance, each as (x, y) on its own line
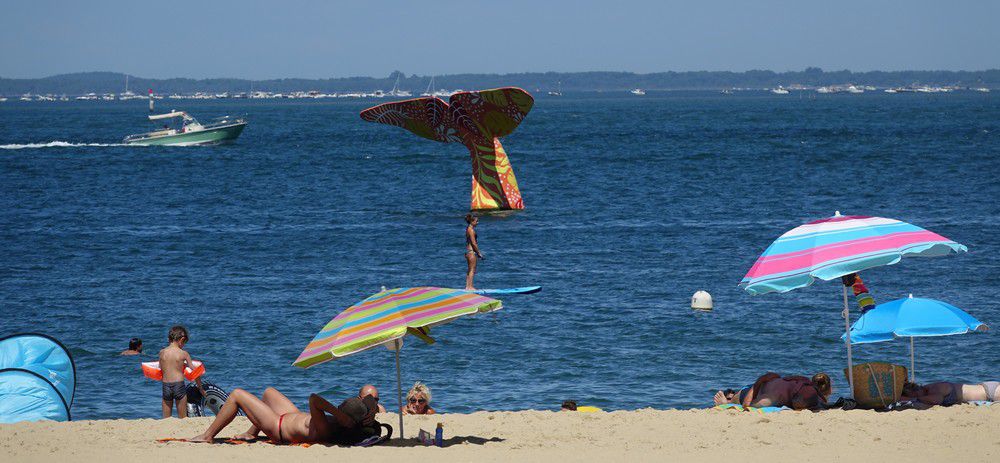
(772, 390)
(946, 394)
(568, 406)
(369, 390)
(279, 419)
(134, 347)
(418, 400)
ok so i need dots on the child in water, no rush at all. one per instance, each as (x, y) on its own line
(173, 360)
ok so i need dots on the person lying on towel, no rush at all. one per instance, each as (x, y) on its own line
(946, 394)
(278, 418)
(772, 390)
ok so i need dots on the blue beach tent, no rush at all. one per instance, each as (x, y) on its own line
(37, 379)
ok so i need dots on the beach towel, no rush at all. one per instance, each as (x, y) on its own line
(233, 441)
(373, 440)
(751, 409)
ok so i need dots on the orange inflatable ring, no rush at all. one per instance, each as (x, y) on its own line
(152, 370)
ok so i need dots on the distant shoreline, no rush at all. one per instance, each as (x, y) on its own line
(77, 84)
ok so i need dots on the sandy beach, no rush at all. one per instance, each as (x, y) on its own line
(961, 433)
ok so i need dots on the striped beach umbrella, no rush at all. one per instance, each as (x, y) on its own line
(385, 318)
(830, 248)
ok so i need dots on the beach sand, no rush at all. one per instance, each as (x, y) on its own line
(961, 433)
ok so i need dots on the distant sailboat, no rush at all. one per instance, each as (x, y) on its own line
(127, 95)
(430, 88)
(396, 91)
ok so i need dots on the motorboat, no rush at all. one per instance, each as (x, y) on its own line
(779, 91)
(188, 131)
(637, 91)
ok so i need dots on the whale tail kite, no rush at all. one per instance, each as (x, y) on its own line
(476, 120)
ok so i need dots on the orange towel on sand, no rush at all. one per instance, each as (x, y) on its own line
(231, 441)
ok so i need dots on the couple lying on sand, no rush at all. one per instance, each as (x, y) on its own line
(801, 393)
(773, 390)
(279, 419)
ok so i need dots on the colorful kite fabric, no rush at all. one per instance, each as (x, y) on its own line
(476, 120)
(837, 246)
(390, 315)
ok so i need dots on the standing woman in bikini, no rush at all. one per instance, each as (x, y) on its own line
(471, 249)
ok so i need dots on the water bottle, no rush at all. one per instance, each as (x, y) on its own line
(439, 435)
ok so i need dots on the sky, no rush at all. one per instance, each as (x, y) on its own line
(320, 39)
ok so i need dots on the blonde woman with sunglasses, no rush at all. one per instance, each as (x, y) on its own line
(418, 400)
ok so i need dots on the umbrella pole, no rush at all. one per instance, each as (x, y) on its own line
(913, 372)
(399, 388)
(847, 330)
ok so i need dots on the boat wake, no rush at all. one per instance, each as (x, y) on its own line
(53, 144)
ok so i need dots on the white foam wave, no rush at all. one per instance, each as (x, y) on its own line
(53, 144)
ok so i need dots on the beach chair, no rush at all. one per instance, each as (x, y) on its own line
(877, 384)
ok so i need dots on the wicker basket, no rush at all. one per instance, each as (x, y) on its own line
(877, 384)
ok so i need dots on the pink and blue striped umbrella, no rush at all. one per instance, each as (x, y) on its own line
(837, 246)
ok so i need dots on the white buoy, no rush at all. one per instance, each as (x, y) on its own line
(701, 301)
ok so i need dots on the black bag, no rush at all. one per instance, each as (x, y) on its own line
(363, 412)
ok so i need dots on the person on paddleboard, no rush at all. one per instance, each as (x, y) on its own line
(472, 252)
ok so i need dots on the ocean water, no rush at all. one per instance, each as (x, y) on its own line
(632, 204)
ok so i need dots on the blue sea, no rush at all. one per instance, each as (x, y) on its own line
(632, 204)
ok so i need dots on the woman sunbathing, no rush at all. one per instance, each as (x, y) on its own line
(283, 422)
(771, 390)
(946, 394)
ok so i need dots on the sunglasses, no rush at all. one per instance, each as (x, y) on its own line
(414, 400)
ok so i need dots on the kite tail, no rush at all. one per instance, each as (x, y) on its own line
(493, 183)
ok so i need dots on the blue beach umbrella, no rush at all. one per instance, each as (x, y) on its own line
(912, 317)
